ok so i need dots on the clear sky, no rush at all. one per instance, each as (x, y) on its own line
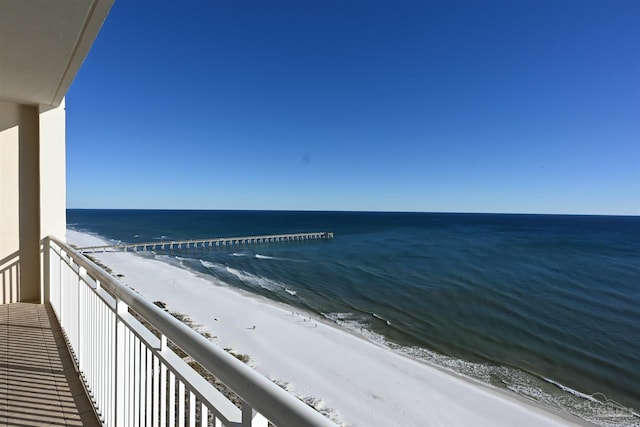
(445, 106)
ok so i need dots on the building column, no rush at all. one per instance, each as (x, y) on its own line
(9, 209)
(29, 203)
(32, 195)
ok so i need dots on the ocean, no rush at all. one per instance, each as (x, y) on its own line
(547, 306)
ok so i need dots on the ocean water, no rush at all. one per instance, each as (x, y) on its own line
(546, 306)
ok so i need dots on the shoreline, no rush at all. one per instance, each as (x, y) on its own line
(358, 381)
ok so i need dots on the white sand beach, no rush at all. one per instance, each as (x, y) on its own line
(362, 383)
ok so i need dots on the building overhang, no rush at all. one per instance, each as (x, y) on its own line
(43, 45)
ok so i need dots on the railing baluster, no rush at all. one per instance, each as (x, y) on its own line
(120, 390)
(163, 395)
(111, 368)
(100, 363)
(105, 363)
(172, 399)
(204, 415)
(130, 378)
(142, 385)
(192, 409)
(89, 339)
(149, 385)
(155, 419)
(136, 381)
(79, 316)
(181, 397)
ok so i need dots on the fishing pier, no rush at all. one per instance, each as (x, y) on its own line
(206, 243)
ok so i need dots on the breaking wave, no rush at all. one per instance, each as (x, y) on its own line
(252, 280)
(260, 256)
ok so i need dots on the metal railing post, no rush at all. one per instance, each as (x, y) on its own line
(80, 313)
(45, 292)
(119, 389)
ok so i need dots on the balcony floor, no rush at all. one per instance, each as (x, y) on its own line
(38, 383)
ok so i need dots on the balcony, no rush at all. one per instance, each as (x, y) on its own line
(131, 373)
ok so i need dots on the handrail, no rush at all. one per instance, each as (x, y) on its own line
(267, 398)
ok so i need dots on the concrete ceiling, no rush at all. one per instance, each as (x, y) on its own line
(43, 44)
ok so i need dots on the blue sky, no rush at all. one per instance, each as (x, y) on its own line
(447, 106)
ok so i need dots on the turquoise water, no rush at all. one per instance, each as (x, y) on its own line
(546, 306)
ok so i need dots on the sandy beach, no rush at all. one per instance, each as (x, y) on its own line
(358, 382)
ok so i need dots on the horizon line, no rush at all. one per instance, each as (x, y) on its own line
(358, 211)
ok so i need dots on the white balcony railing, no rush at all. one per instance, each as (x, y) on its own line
(133, 377)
